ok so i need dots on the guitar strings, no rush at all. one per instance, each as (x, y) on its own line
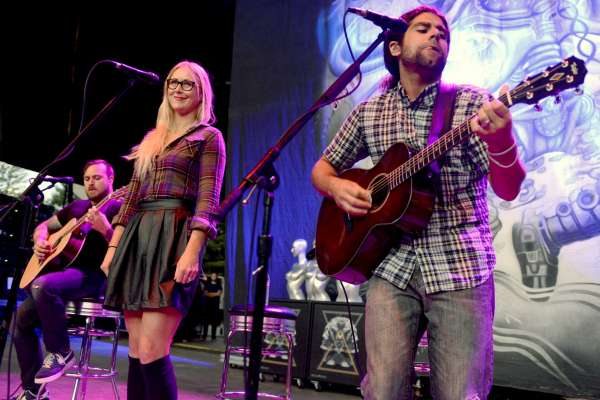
(449, 140)
(117, 193)
(413, 164)
(425, 156)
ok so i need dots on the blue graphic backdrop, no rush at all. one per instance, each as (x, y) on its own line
(548, 274)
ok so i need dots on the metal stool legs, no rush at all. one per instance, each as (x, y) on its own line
(224, 375)
(92, 309)
(84, 360)
(290, 357)
(84, 371)
(279, 322)
(223, 394)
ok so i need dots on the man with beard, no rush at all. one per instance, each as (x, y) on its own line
(47, 294)
(441, 278)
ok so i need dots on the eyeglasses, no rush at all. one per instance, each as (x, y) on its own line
(185, 84)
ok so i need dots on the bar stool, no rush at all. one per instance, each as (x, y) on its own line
(279, 322)
(422, 367)
(91, 308)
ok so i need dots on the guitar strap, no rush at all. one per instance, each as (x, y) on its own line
(441, 122)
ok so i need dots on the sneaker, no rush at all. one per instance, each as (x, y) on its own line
(54, 366)
(29, 395)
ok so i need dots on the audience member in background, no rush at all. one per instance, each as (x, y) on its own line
(212, 292)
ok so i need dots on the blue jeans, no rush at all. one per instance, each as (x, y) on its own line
(459, 325)
(45, 307)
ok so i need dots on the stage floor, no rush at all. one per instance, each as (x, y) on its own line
(198, 367)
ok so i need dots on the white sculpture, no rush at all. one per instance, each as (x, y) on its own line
(296, 276)
(316, 282)
(353, 292)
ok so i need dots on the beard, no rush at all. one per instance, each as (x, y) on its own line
(435, 66)
(432, 67)
(97, 195)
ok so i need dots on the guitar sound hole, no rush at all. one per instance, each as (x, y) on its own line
(379, 192)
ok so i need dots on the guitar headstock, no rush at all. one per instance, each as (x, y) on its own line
(119, 193)
(568, 74)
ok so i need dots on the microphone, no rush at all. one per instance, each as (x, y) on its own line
(383, 21)
(147, 76)
(59, 179)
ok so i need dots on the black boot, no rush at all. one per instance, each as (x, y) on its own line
(160, 379)
(136, 386)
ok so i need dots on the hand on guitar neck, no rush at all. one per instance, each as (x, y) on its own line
(494, 124)
(97, 221)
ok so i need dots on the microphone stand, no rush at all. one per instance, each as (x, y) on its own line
(263, 175)
(32, 198)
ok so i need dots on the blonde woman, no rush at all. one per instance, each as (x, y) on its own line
(153, 260)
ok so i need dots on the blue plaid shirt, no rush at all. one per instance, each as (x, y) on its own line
(455, 251)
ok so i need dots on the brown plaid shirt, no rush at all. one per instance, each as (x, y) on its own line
(191, 168)
(455, 251)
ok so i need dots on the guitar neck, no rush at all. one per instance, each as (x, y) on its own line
(567, 74)
(119, 193)
(100, 204)
(436, 149)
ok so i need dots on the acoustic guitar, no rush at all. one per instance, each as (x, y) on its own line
(349, 248)
(67, 243)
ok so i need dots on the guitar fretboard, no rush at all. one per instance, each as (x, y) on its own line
(114, 195)
(565, 75)
(435, 150)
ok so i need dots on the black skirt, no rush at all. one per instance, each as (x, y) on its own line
(143, 267)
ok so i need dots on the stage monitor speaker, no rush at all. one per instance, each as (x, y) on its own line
(333, 357)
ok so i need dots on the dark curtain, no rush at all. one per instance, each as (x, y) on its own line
(276, 75)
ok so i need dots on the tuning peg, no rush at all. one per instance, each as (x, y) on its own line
(578, 90)
(557, 99)
(537, 107)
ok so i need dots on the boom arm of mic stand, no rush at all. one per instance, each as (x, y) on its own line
(26, 196)
(327, 97)
(251, 386)
(65, 152)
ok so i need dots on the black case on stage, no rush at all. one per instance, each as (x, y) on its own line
(332, 351)
(324, 348)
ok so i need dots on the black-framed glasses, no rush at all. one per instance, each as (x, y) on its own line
(185, 84)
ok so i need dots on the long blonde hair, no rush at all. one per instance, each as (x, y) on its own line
(155, 141)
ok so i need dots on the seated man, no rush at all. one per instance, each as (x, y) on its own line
(76, 278)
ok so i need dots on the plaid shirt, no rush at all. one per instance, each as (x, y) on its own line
(190, 168)
(455, 251)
